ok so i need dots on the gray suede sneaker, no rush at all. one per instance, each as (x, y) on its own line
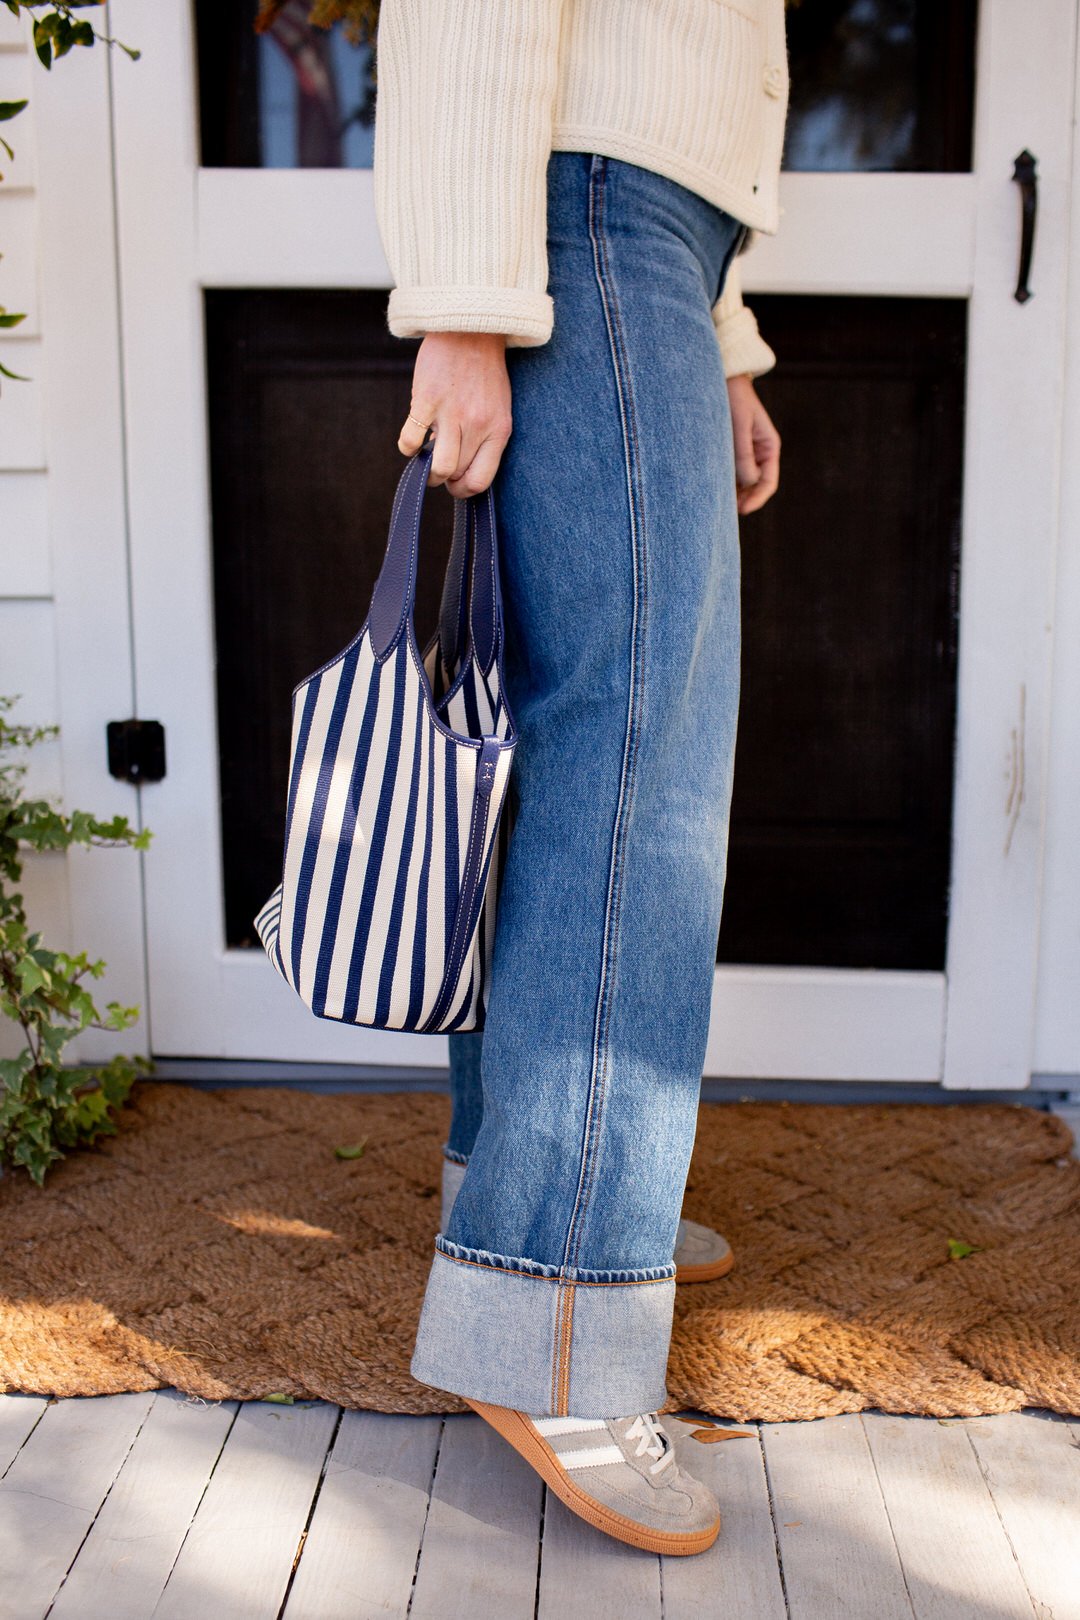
(700, 1253)
(618, 1474)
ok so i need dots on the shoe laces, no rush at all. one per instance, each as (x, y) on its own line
(651, 1441)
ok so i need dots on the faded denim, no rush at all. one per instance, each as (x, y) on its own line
(551, 1289)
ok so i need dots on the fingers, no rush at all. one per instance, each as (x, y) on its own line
(447, 453)
(756, 445)
(461, 389)
(768, 480)
(747, 472)
(481, 470)
(414, 431)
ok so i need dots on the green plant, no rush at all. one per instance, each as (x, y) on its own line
(46, 1106)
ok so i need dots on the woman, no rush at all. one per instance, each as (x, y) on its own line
(562, 187)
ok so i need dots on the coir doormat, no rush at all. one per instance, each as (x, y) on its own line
(909, 1257)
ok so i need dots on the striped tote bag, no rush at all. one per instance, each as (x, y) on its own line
(399, 768)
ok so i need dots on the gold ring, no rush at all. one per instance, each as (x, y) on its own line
(416, 419)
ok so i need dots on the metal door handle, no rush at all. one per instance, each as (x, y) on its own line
(1025, 177)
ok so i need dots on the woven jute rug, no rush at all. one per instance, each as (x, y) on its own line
(218, 1244)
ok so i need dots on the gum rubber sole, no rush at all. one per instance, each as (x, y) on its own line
(519, 1432)
(706, 1273)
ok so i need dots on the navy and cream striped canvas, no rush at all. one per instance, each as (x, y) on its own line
(385, 912)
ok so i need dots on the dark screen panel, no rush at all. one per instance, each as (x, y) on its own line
(843, 781)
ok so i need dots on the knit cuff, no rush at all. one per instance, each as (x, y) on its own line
(742, 347)
(526, 318)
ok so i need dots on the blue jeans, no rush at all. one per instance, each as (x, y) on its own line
(551, 1289)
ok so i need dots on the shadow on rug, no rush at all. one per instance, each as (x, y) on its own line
(218, 1244)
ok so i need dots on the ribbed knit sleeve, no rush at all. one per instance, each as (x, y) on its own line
(462, 136)
(743, 349)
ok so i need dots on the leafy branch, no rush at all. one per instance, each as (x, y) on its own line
(45, 1105)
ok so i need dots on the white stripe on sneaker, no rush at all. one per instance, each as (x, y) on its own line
(550, 1426)
(594, 1457)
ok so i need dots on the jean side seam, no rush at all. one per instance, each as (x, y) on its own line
(624, 394)
(562, 1409)
(599, 1070)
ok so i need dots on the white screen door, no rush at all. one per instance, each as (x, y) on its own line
(185, 228)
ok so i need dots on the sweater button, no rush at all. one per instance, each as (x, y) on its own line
(773, 81)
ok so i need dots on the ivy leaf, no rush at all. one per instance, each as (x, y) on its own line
(13, 1069)
(11, 109)
(31, 977)
(355, 1152)
(959, 1250)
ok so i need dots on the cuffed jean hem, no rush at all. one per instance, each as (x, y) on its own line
(510, 1332)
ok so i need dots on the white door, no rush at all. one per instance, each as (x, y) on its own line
(183, 228)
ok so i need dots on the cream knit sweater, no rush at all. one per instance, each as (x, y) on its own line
(473, 95)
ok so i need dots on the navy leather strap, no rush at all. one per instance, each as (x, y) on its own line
(453, 610)
(474, 543)
(395, 589)
(485, 601)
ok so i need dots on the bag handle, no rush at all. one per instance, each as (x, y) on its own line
(394, 597)
(453, 606)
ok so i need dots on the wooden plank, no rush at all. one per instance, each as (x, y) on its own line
(22, 428)
(18, 214)
(14, 31)
(1031, 1464)
(956, 1557)
(236, 1561)
(739, 1574)
(479, 1555)
(25, 567)
(836, 1546)
(584, 1572)
(53, 1490)
(360, 1553)
(126, 1558)
(18, 1415)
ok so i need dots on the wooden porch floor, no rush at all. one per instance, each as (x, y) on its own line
(125, 1507)
(128, 1507)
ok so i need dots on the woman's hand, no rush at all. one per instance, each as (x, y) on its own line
(757, 446)
(461, 388)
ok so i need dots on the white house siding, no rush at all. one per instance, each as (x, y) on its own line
(64, 620)
(27, 612)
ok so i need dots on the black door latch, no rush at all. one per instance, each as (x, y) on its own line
(136, 750)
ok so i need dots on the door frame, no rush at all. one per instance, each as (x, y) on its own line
(180, 229)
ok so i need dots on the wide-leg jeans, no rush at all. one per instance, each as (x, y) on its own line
(551, 1289)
